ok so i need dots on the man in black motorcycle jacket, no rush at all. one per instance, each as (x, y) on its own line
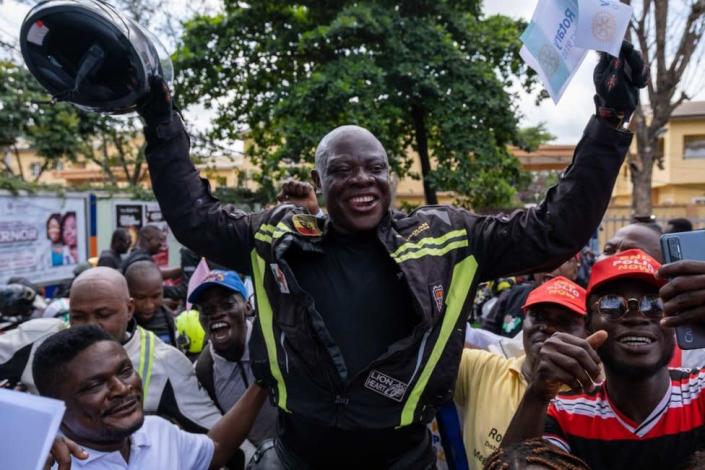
(361, 312)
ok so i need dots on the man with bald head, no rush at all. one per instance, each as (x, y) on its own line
(644, 236)
(361, 312)
(144, 280)
(100, 296)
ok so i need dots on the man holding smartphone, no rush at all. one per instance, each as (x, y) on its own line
(644, 415)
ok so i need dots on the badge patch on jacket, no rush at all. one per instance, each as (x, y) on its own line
(385, 385)
(438, 295)
(280, 278)
(306, 225)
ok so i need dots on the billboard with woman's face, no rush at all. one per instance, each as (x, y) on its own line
(41, 238)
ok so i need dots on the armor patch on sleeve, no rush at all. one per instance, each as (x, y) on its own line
(306, 225)
(438, 296)
(385, 385)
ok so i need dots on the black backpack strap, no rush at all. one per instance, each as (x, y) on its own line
(204, 374)
(243, 374)
(13, 368)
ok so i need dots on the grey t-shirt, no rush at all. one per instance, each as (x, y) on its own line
(230, 380)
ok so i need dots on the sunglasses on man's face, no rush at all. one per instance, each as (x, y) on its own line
(614, 306)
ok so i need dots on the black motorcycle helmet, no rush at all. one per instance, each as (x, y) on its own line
(86, 53)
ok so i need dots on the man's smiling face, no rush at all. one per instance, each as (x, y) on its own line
(103, 395)
(222, 315)
(637, 345)
(354, 176)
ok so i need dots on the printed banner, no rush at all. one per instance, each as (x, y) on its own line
(135, 215)
(550, 44)
(42, 238)
(602, 25)
(129, 216)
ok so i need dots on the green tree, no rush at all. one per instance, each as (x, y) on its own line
(24, 116)
(531, 138)
(423, 75)
(60, 132)
(116, 145)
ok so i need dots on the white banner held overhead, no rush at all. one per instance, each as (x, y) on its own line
(549, 40)
(602, 25)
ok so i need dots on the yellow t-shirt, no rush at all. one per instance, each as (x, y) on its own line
(488, 391)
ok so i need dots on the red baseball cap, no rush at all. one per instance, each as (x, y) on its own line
(561, 291)
(633, 264)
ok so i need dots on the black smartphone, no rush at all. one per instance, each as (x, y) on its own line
(675, 247)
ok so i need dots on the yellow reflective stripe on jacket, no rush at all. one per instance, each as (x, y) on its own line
(280, 230)
(266, 318)
(146, 359)
(263, 238)
(429, 241)
(266, 228)
(432, 251)
(266, 233)
(463, 274)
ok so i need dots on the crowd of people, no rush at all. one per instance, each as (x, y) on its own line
(362, 323)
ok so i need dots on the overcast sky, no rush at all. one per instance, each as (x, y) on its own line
(565, 120)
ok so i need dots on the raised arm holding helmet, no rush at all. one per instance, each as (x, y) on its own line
(361, 345)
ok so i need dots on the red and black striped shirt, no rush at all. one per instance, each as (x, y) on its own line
(589, 426)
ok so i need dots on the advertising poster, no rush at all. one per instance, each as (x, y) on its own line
(153, 216)
(129, 216)
(42, 238)
(135, 215)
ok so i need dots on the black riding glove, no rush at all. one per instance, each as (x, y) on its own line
(617, 82)
(156, 108)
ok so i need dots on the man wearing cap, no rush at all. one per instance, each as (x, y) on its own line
(490, 387)
(638, 413)
(224, 368)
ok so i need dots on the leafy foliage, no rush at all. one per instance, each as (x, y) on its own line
(424, 75)
(51, 130)
(58, 131)
(531, 138)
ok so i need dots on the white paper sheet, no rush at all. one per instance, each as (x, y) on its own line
(28, 425)
(602, 25)
(549, 40)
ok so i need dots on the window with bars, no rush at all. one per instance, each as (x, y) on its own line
(694, 146)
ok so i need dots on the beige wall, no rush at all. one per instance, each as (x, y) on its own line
(29, 160)
(680, 180)
(679, 169)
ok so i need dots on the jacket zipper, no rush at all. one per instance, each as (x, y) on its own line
(282, 337)
(419, 356)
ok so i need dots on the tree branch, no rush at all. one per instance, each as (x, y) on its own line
(7, 166)
(661, 26)
(692, 33)
(105, 162)
(43, 168)
(16, 151)
(641, 36)
(117, 141)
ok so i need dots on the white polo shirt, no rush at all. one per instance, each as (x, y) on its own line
(157, 444)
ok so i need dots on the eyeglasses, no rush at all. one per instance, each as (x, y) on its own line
(615, 306)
